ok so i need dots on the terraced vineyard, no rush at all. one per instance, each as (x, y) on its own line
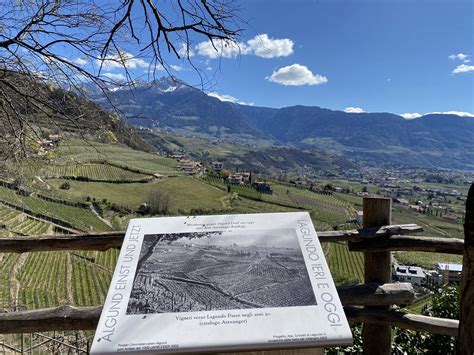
(76, 150)
(30, 226)
(79, 218)
(346, 266)
(8, 214)
(327, 211)
(93, 171)
(7, 261)
(37, 280)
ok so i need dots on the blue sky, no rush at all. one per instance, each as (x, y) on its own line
(397, 56)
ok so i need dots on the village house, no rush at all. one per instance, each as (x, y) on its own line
(246, 177)
(401, 201)
(417, 208)
(299, 182)
(46, 144)
(217, 166)
(235, 179)
(449, 272)
(54, 138)
(190, 167)
(412, 274)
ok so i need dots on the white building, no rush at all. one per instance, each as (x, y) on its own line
(449, 273)
(235, 179)
(412, 274)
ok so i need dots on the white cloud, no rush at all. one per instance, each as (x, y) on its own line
(460, 56)
(458, 113)
(463, 68)
(185, 50)
(122, 59)
(80, 61)
(115, 76)
(176, 67)
(228, 98)
(261, 46)
(220, 48)
(266, 47)
(410, 116)
(157, 67)
(296, 75)
(353, 110)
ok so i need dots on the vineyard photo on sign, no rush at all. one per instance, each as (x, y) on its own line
(189, 272)
(223, 282)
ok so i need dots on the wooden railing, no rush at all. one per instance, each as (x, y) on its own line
(367, 303)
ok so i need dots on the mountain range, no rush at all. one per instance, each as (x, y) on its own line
(433, 140)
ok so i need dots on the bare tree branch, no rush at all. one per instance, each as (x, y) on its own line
(44, 45)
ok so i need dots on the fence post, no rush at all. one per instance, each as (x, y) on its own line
(465, 341)
(377, 268)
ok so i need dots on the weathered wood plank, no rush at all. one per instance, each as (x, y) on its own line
(107, 240)
(377, 295)
(58, 318)
(73, 318)
(90, 241)
(465, 341)
(86, 318)
(368, 232)
(403, 320)
(377, 339)
(410, 243)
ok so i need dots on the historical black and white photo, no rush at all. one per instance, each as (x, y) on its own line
(215, 270)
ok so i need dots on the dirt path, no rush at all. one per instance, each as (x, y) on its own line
(48, 187)
(69, 285)
(15, 283)
(94, 211)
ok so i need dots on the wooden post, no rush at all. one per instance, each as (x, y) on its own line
(465, 341)
(377, 268)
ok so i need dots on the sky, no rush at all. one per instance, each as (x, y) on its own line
(408, 57)
(276, 238)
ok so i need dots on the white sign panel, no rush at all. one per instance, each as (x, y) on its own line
(228, 282)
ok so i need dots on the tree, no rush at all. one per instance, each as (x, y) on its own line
(444, 304)
(158, 201)
(44, 45)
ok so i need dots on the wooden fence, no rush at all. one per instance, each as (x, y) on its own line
(367, 303)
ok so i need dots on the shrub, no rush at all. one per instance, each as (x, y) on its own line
(65, 186)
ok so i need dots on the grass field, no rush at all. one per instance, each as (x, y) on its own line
(186, 192)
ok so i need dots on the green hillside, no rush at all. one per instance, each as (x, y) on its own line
(65, 194)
